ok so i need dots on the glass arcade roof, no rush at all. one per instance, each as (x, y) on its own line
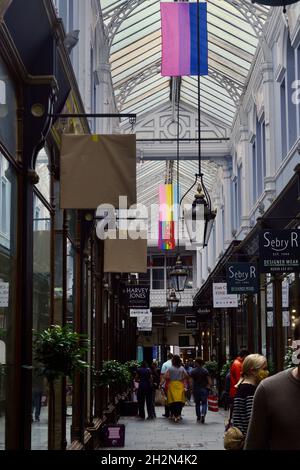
(134, 27)
(233, 28)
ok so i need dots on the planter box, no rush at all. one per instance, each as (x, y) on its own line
(113, 435)
(129, 408)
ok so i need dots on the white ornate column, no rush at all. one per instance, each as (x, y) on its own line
(103, 97)
(270, 127)
(228, 216)
(219, 229)
(199, 269)
(244, 153)
(204, 272)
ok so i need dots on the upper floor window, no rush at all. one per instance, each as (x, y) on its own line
(8, 110)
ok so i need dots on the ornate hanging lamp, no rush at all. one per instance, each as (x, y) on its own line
(178, 276)
(172, 301)
(200, 217)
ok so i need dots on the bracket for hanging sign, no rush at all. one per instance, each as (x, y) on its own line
(131, 117)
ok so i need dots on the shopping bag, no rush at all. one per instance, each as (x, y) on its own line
(213, 404)
(159, 398)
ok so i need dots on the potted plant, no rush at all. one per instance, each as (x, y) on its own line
(59, 352)
(212, 368)
(113, 373)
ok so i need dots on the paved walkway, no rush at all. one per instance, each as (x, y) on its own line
(162, 434)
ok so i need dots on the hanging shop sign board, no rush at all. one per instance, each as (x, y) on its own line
(137, 297)
(221, 298)
(137, 312)
(279, 251)
(242, 278)
(4, 294)
(97, 169)
(144, 322)
(190, 323)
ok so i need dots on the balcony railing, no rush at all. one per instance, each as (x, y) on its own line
(158, 298)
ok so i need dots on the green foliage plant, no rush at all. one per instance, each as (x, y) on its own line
(59, 352)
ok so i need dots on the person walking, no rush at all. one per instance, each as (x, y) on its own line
(235, 372)
(144, 392)
(176, 393)
(274, 423)
(254, 370)
(37, 393)
(201, 382)
(155, 373)
(163, 382)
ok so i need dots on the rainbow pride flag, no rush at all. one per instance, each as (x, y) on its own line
(168, 215)
(179, 39)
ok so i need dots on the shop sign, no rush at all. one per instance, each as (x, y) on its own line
(137, 312)
(144, 322)
(285, 294)
(190, 323)
(221, 298)
(4, 294)
(137, 297)
(270, 296)
(204, 311)
(242, 278)
(270, 318)
(285, 318)
(279, 251)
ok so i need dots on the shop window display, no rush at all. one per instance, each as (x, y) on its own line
(8, 253)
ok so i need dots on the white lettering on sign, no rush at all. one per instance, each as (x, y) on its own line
(136, 312)
(137, 292)
(277, 244)
(221, 298)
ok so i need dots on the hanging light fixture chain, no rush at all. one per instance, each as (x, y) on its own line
(199, 92)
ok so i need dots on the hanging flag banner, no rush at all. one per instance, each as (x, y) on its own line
(168, 215)
(279, 251)
(144, 322)
(242, 278)
(97, 169)
(179, 25)
(221, 298)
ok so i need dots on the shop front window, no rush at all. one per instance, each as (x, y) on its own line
(8, 111)
(8, 254)
(41, 315)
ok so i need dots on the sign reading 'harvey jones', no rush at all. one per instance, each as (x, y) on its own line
(279, 251)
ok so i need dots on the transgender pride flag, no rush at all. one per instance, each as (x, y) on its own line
(179, 39)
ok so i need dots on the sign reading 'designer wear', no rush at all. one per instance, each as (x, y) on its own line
(221, 298)
(138, 296)
(242, 278)
(279, 251)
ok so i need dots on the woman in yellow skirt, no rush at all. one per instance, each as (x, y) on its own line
(176, 393)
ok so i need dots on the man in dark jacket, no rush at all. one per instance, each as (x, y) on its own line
(275, 418)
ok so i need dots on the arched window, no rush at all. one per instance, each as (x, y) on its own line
(42, 169)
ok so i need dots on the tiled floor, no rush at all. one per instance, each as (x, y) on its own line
(162, 434)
